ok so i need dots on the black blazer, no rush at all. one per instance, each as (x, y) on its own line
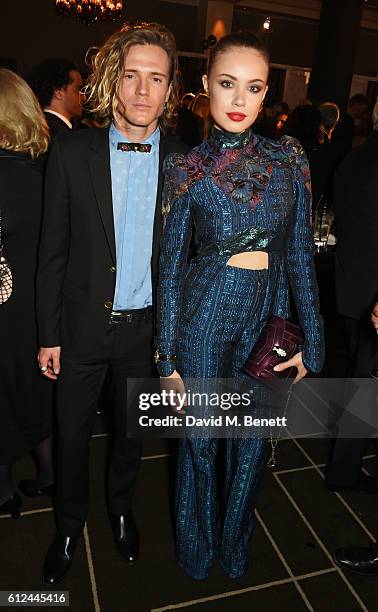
(56, 125)
(77, 259)
(356, 219)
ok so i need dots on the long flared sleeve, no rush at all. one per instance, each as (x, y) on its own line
(300, 260)
(173, 257)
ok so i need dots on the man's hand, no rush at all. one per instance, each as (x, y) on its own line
(49, 361)
(294, 361)
(374, 317)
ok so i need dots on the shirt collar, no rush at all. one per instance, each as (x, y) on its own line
(115, 136)
(62, 117)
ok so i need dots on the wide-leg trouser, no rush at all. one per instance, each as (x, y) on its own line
(216, 335)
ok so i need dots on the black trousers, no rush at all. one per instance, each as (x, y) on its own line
(345, 463)
(127, 352)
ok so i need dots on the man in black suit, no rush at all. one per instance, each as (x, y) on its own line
(57, 84)
(356, 265)
(345, 132)
(362, 560)
(98, 272)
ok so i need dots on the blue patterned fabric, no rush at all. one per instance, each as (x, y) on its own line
(234, 193)
(221, 192)
(219, 348)
(134, 187)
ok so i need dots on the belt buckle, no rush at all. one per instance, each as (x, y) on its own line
(129, 317)
(114, 318)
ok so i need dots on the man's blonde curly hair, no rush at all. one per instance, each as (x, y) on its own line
(108, 65)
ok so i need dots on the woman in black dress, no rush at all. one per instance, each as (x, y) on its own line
(25, 395)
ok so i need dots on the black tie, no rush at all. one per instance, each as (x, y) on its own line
(134, 146)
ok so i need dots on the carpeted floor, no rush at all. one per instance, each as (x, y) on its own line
(298, 525)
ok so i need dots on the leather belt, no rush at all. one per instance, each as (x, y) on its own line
(130, 316)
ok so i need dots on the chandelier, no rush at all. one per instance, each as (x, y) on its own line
(91, 10)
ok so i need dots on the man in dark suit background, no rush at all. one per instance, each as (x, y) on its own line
(98, 272)
(345, 132)
(362, 560)
(356, 266)
(57, 84)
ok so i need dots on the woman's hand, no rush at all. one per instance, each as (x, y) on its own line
(294, 361)
(174, 385)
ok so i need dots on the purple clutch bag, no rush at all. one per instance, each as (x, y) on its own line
(279, 341)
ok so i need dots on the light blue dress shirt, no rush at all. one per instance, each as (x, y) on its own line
(134, 188)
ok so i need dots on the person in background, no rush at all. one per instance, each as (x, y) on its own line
(200, 105)
(362, 560)
(280, 108)
(25, 398)
(325, 157)
(313, 127)
(272, 121)
(364, 129)
(345, 131)
(265, 125)
(191, 122)
(57, 84)
(329, 117)
(186, 100)
(189, 127)
(304, 125)
(280, 112)
(200, 109)
(305, 102)
(356, 265)
(280, 124)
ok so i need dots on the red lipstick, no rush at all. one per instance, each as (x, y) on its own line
(236, 116)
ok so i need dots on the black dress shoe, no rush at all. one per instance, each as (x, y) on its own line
(59, 558)
(362, 561)
(12, 506)
(126, 536)
(365, 484)
(31, 489)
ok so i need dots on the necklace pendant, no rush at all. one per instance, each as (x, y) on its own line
(272, 461)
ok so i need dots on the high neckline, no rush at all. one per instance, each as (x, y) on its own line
(231, 140)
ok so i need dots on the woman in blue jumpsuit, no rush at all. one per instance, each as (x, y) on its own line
(237, 193)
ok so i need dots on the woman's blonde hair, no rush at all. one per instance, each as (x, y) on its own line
(108, 65)
(23, 126)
